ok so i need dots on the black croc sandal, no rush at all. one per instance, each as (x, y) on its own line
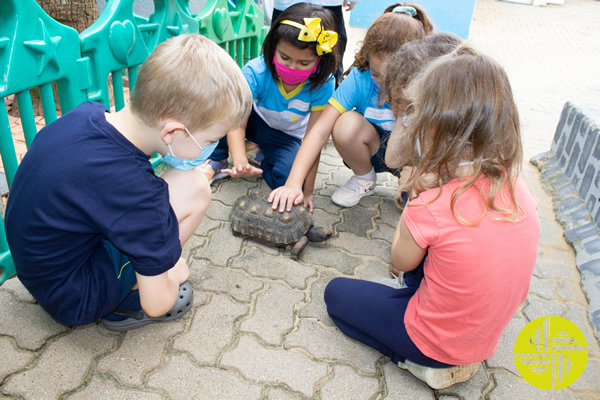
(137, 319)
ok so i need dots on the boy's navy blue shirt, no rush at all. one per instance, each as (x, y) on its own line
(82, 181)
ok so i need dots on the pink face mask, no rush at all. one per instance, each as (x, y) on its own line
(293, 76)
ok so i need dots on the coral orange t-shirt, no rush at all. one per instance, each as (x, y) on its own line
(475, 277)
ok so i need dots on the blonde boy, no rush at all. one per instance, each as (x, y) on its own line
(88, 221)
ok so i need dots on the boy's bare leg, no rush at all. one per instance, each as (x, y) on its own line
(189, 194)
(356, 140)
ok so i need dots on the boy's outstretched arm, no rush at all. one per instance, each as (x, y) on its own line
(236, 140)
(318, 131)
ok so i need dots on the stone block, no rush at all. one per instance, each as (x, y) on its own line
(219, 280)
(358, 221)
(363, 246)
(273, 313)
(235, 188)
(183, 380)
(212, 330)
(12, 359)
(28, 323)
(402, 385)
(337, 258)
(374, 270)
(273, 267)
(140, 352)
(274, 366)
(62, 366)
(511, 387)
(347, 384)
(332, 345)
(536, 307)
(543, 288)
(554, 270)
(316, 308)
(504, 357)
(15, 287)
(222, 245)
(100, 389)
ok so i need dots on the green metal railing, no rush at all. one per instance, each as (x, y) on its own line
(38, 52)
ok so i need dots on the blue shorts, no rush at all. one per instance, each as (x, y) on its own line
(123, 268)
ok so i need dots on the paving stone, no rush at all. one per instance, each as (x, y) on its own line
(556, 271)
(374, 270)
(316, 308)
(536, 307)
(331, 257)
(190, 247)
(217, 252)
(324, 203)
(267, 266)
(15, 287)
(132, 360)
(588, 381)
(325, 219)
(571, 292)
(364, 246)
(218, 280)
(504, 356)
(402, 385)
(331, 344)
(579, 316)
(232, 190)
(206, 226)
(543, 288)
(273, 313)
(510, 387)
(357, 221)
(471, 389)
(274, 366)
(384, 232)
(348, 385)
(12, 359)
(28, 323)
(218, 211)
(62, 366)
(280, 394)
(551, 232)
(183, 380)
(261, 247)
(212, 329)
(368, 202)
(100, 389)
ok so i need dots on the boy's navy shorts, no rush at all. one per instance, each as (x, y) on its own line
(123, 268)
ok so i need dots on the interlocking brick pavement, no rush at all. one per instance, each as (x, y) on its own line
(259, 329)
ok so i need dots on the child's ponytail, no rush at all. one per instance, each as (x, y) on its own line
(419, 15)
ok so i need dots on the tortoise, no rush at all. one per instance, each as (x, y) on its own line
(253, 216)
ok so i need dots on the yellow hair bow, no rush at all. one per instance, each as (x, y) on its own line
(312, 31)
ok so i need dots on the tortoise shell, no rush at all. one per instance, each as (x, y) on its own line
(253, 216)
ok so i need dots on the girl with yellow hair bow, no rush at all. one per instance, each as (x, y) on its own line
(291, 84)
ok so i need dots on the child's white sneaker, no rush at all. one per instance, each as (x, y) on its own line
(355, 189)
(440, 378)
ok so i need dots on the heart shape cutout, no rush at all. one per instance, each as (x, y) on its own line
(220, 22)
(122, 40)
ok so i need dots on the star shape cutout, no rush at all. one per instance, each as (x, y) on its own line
(46, 48)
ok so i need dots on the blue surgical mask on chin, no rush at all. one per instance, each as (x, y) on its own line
(187, 164)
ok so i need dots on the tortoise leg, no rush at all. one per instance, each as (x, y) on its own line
(298, 247)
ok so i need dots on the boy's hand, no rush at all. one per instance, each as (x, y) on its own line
(242, 169)
(286, 197)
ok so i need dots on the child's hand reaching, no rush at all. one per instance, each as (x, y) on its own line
(242, 169)
(286, 197)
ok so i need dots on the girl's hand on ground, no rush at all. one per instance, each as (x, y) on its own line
(242, 170)
(286, 197)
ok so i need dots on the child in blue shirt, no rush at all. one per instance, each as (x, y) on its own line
(357, 117)
(93, 232)
(291, 84)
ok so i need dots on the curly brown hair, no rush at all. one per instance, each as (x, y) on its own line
(410, 61)
(389, 32)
